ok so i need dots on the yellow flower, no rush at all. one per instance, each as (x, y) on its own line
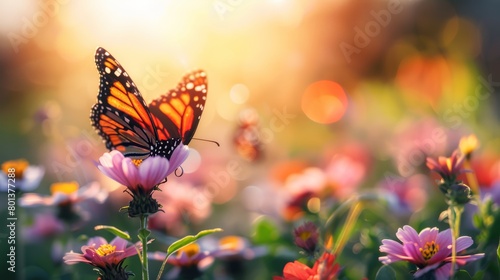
(468, 144)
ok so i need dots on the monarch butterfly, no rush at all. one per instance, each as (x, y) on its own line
(124, 121)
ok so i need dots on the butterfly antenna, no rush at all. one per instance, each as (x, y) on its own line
(206, 140)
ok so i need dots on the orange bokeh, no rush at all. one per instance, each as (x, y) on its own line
(324, 102)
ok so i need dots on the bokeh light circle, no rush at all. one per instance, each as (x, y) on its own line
(239, 93)
(324, 102)
(193, 161)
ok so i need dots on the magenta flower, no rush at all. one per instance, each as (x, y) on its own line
(141, 177)
(306, 237)
(107, 257)
(429, 250)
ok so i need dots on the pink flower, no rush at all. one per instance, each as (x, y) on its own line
(447, 168)
(44, 226)
(324, 268)
(138, 179)
(108, 257)
(141, 177)
(180, 201)
(429, 250)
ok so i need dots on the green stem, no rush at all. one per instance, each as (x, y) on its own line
(455, 212)
(349, 225)
(143, 236)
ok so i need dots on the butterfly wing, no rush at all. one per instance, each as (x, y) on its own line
(178, 112)
(121, 116)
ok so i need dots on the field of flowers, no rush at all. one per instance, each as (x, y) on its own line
(249, 140)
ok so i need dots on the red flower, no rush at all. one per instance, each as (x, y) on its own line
(324, 268)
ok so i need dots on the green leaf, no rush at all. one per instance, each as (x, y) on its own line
(385, 273)
(462, 275)
(498, 252)
(114, 231)
(479, 275)
(265, 231)
(174, 247)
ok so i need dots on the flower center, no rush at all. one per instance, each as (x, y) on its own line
(190, 250)
(105, 250)
(137, 162)
(305, 235)
(64, 187)
(18, 165)
(232, 243)
(429, 250)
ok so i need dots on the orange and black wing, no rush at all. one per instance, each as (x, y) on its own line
(178, 112)
(121, 116)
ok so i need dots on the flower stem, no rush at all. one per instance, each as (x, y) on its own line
(346, 230)
(143, 236)
(455, 212)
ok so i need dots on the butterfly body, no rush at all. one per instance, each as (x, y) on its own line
(126, 123)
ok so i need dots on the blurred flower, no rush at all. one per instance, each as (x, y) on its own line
(306, 237)
(447, 168)
(344, 174)
(190, 261)
(107, 257)
(405, 195)
(235, 252)
(235, 247)
(324, 268)
(468, 144)
(429, 250)
(416, 140)
(26, 177)
(141, 177)
(296, 207)
(65, 195)
(181, 203)
(300, 189)
(45, 225)
(311, 179)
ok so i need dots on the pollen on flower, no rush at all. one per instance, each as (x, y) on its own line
(137, 162)
(64, 187)
(190, 250)
(305, 235)
(19, 166)
(429, 250)
(233, 243)
(105, 250)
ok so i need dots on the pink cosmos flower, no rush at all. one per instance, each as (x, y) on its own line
(141, 177)
(429, 250)
(324, 268)
(149, 173)
(107, 257)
